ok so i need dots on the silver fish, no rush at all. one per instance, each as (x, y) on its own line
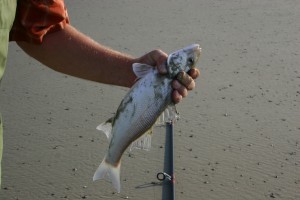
(140, 108)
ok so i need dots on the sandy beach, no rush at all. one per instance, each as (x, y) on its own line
(239, 133)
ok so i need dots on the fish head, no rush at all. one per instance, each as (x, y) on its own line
(183, 59)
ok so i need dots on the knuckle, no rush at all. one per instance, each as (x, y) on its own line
(192, 85)
(158, 53)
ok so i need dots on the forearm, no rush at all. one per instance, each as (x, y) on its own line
(71, 52)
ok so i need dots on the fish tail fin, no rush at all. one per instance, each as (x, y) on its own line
(110, 173)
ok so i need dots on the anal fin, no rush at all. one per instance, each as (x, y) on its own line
(144, 142)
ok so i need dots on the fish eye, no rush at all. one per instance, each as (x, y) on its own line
(190, 61)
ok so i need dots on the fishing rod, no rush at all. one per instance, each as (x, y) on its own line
(168, 174)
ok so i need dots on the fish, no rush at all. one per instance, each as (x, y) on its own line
(141, 107)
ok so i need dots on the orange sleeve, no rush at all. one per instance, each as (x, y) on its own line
(34, 19)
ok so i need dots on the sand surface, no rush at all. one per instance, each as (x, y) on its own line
(239, 133)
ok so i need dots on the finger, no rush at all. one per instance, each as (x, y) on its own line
(194, 73)
(186, 80)
(162, 68)
(159, 59)
(176, 97)
(181, 89)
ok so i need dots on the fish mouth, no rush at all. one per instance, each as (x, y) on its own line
(194, 46)
(195, 49)
(191, 49)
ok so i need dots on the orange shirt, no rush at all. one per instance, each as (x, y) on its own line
(35, 18)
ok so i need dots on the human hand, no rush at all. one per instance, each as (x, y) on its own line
(183, 82)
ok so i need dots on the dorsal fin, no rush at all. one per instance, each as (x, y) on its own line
(106, 127)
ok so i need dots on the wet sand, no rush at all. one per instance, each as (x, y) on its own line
(239, 133)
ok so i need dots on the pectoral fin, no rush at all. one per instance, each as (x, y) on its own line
(141, 70)
(169, 115)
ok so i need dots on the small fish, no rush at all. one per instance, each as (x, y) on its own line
(148, 98)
